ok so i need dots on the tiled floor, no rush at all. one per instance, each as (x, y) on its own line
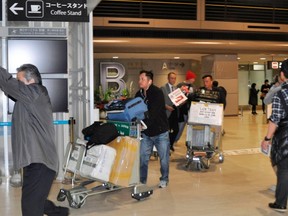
(239, 186)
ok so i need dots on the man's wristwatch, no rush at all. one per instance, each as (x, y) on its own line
(267, 139)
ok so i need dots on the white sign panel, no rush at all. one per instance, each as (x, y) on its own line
(177, 97)
(206, 113)
(275, 65)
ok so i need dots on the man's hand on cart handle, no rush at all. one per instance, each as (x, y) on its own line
(143, 125)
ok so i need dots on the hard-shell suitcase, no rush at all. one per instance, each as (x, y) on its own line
(131, 110)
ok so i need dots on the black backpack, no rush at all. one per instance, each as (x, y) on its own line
(100, 133)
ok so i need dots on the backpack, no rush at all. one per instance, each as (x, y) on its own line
(100, 133)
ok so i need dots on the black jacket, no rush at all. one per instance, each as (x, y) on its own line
(156, 121)
(253, 96)
(279, 149)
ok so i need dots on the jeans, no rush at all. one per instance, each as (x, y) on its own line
(282, 182)
(162, 145)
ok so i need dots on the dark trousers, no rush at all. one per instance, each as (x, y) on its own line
(282, 182)
(37, 182)
(173, 126)
(263, 105)
(253, 108)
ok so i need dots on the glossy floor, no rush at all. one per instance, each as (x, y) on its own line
(239, 186)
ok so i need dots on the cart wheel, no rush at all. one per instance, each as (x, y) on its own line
(199, 166)
(78, 201)
(205, 162)
(61, 196)
(187, 164)
(221, 158)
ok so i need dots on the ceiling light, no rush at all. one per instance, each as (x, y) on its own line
(115, 57)
(110, 41)
(204, 42)
(255, 62)
(263, 58)
(176, 57)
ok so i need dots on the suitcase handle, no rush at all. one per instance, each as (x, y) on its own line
(134, 104)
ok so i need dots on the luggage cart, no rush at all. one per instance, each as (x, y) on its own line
(76, 158)
(204, 135)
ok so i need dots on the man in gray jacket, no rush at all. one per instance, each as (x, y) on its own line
(33, 145)
(171, 109)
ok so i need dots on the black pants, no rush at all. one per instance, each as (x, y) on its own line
(173, 126)
(253, 109)
(282, 183)
(263, 105)
(37, 182)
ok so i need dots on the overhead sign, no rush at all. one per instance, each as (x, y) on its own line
(274, 65)
(48, 10)
(45, 32)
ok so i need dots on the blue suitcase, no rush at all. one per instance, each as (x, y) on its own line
(130, 110)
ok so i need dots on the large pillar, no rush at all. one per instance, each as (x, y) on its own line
(224, 69)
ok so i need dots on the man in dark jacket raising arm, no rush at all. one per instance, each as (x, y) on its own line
(33, 135)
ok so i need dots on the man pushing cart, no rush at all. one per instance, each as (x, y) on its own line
(205, 126)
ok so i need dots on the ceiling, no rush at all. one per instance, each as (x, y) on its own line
(148, 48)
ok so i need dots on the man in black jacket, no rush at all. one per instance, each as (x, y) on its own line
(210, 93)
(157, 128)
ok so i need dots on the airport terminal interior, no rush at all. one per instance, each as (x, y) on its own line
(241, 185)
(238, 42)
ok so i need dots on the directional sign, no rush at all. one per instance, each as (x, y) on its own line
(48, 10)
(274, 64)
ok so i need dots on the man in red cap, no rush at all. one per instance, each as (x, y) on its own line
(190, 77)
(188, 89)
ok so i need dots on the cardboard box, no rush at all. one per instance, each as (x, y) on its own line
(98, 163)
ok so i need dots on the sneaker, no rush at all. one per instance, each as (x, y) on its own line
(16, 179)
(163, 184)
(277, 207)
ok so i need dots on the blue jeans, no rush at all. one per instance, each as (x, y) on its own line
(162, 145)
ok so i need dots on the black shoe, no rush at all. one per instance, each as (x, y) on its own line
(58, 210)
(51, 209)
(277, 207)
(172, 148)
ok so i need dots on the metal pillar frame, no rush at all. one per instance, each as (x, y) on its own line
(80, 82)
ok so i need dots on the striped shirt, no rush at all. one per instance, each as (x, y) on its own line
(278, 110)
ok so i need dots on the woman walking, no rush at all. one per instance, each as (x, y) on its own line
(253, 98)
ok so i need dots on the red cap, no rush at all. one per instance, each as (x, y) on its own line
(190, 75)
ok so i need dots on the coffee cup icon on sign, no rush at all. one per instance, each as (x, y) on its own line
(35, 9)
